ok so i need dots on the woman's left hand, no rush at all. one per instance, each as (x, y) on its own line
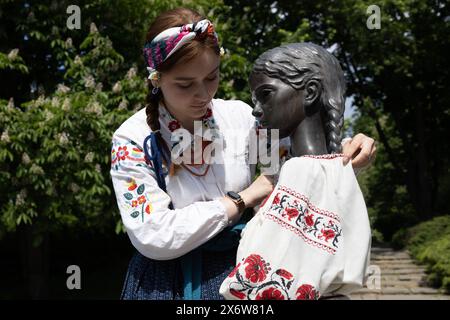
(360, 149)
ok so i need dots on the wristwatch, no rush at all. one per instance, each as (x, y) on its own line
(237, 199)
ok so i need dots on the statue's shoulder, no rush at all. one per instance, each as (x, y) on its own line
(295, 163)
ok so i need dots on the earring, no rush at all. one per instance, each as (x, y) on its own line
(155, 91)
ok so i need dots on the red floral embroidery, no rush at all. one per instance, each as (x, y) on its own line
(285, 274)
(174, 125)
(295, 212)
(309, 204)
(309, 220)
(232, 274)
(324, 156)
(291, 213)
(207, 114)
(132, 187)
(255, 271)
(307, 292)
(276, 200)
(241, 282)
(138, 199)
(141, 199)
(127, 152)
(328, 234)
(122, 153)
(270, 294)
(237, 294)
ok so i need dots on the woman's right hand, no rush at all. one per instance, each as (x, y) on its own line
(257, 191)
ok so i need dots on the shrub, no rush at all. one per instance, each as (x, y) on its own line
(429, 243)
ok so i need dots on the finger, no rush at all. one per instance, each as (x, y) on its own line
(350, 149)
(345, 141)
(364, 156)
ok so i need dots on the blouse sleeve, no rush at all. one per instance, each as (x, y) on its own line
(318, 217)
(156, 231)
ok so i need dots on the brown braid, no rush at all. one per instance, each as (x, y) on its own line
(152, 112)
(152, 108)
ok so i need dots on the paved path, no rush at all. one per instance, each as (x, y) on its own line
(400, 279)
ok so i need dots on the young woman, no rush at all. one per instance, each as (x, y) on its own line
(184, 221)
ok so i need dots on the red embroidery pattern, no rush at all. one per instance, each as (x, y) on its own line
(325, 156)
(253, 279)
(311, 206)
(174, 125)
(301, 234)
(137, 200)
(295, 212)
(130, 151)
(307, 292)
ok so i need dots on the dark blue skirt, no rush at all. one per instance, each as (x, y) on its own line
(149, 279)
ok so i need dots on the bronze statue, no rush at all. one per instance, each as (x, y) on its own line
(299, 89)
(317, 214)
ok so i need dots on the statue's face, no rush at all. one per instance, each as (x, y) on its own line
(277, 105)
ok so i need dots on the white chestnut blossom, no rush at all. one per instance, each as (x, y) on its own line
(117, 87)
(89, 157)
(12, 55)
(93, 28)
(5, 137)
(62, 88)
(26, 158)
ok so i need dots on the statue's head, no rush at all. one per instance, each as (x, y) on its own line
(295, 81)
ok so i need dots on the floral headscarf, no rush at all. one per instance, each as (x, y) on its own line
(170, 40)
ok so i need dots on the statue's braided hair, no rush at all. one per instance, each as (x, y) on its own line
(298, 63)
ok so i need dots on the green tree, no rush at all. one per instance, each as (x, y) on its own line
(55, 153)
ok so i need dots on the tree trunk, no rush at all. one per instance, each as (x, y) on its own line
(422, 171)
(35, 263)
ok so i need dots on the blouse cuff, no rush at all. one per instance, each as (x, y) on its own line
(218, 206)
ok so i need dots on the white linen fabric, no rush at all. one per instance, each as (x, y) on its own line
(311, 237)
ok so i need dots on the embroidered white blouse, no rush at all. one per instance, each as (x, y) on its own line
(156, 231)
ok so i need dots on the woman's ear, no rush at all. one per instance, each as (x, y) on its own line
(312, 92)
(155, 83)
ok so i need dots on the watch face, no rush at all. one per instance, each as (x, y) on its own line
(233, 195)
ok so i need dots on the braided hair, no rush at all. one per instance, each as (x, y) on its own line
(296, 64)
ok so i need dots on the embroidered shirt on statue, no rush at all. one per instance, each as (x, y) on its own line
(156, 231)
(311, 237)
